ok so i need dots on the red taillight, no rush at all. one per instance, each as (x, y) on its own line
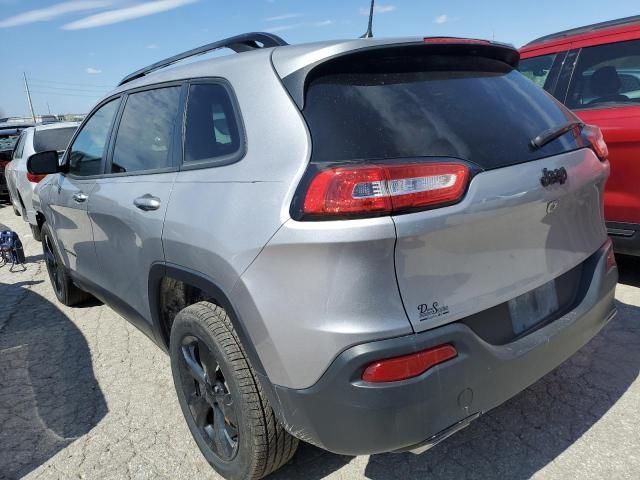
(610, 258)
(384, 189)
(456, 40)
(33, 178)
(408, 366)
(594, 135)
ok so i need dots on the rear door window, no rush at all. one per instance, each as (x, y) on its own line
(52, 139)
(466, 107)
(146, 131)
(606, 76)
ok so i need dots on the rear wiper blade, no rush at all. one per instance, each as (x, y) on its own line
(553, 133)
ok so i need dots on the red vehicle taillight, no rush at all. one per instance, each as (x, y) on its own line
(408, 366)
(382, 189)
(610, 258)
(33, 178)
(594, 135)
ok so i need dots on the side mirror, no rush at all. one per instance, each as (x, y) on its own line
(43, 163)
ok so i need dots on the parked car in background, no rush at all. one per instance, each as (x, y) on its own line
(46, 137)
(9, 134)
(595, 70)
(351, 251)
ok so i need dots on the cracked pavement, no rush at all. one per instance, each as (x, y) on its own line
(83, 394)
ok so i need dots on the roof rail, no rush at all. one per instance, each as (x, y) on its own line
(586, 29)
(239, 44)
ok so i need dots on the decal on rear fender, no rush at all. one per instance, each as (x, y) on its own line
(428, 311)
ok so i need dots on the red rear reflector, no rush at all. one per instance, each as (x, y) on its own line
(33, 178)
(456, 40)
(385, 188)
(594, 135)
(610, 260)
(408, 366)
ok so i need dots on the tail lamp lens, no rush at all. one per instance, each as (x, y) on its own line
(408, 366)
(610, 258)
(385, 188)
(594, 135)
(33, 178)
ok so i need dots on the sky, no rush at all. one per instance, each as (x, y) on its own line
(75, 51)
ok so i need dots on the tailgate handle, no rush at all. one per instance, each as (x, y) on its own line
(147, 202)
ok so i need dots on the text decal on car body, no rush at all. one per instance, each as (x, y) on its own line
(433, 310)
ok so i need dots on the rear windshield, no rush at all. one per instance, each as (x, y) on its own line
(8, 141)
(52, 139)
(467, 107)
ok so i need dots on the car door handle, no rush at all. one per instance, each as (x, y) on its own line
(147, 202)
(80, 197)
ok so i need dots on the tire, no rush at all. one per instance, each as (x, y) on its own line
(66, 291)
(37, 234)
(225, 408)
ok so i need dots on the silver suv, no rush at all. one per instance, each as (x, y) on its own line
(362, 244)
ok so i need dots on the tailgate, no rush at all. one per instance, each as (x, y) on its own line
(508, 236)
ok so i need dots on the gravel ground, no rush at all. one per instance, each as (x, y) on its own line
(85, 395)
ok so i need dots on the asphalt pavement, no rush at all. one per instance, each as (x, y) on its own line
(83, 394)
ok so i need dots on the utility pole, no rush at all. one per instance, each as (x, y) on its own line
(26, 85)
(48, 108)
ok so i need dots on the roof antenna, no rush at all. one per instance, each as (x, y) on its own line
(369, 32)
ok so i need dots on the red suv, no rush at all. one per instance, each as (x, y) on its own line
(595, 70)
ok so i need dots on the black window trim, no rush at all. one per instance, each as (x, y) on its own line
(224, 159)
(118, 97)
(177, 137)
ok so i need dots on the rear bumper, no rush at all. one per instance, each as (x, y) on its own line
(625, 237)
(345, 415)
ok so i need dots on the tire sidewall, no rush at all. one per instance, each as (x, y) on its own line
(187, 323)
(62, 294)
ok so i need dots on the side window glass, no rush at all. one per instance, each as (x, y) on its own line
(146, 131)
(537, 69)
(606, 75)
(88, 149)
(17, 153)
(212, 132)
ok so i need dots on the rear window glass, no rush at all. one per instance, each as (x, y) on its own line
(7, 142)
(52, 139)
(467, 107)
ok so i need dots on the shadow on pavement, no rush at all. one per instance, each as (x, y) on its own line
(522, 436)
(48, 393)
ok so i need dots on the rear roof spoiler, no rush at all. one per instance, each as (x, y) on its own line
(296, 81)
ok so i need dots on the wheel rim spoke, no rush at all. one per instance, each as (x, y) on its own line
(199, 409)
(193, 366)
(221, 439)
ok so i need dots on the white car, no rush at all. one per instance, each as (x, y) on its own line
(54, 136)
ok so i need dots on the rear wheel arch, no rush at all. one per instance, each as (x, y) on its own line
(192, 287)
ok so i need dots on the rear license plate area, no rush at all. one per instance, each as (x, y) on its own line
(533, 307)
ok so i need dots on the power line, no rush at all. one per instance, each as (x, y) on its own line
(67, 88)
(39, 80)
(97, 95)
